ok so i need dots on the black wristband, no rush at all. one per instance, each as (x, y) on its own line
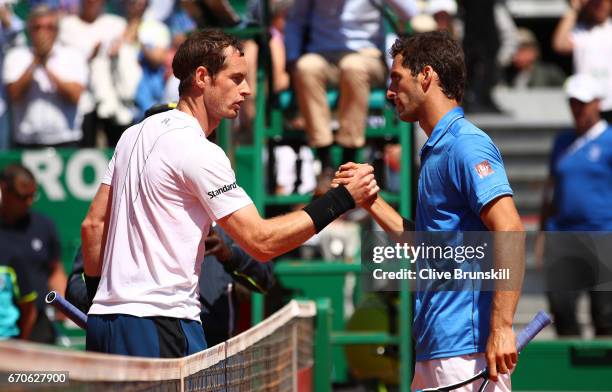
(91, 283)
(408, 225)
(328, 207)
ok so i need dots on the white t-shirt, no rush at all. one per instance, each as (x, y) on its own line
(43, 116)
(83, 36)
(169, 183)
(593, 56)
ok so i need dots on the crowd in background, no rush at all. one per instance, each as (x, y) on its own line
(77, 73)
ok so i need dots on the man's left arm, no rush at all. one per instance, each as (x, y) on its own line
(501, 217)
(94, 229)
(479, 174)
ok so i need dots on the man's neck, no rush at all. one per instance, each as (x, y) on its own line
(198, 111)
(433, 112)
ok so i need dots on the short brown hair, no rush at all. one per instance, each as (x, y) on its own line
(204, 48)
(441, 52)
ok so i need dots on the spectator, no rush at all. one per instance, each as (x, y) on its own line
(154, 40)
(211, 13)
(35, 237)
(118, 74)
(63, 7)
(489, 42)
(280, 77)
(93, 32)
(339, 42)
(10, 27)
(585, 32)
(225, 266)
(444, 13)
(44, 83)
(581, 160)
(17, 306)
(131, 77)
(527, 70)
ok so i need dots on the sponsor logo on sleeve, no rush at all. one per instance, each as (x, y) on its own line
(484, 169)
(223, 189)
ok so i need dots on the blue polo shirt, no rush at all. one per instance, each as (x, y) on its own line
(583, 183)
(461, 172)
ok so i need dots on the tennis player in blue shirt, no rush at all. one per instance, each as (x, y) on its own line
(462, 187)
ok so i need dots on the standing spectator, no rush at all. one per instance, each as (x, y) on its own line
(341, 42)
(489, 41)
(10, 27)
(154, 41)
(585, 32)
(527, 70)
(44, 83)
(17, 307)
(92, 29)
(581, 160)
(35, 237)
(92, 32)
(130, 77)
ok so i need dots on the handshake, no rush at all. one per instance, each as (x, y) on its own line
(359, 180)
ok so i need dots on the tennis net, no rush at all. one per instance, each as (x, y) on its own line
(274, 355)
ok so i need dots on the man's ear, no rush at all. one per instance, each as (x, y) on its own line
(429, 76)
(202, 77)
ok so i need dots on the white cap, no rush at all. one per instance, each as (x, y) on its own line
(435, 6)
(583, 87)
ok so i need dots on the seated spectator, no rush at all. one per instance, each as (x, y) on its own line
(44, 83)
(344, 46)
(527, 70)
(211, 13)
(35, 238)
(10, 29)
(93, 32)
(17, 297)
(585, 32)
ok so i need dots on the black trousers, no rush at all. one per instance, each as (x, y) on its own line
(480, 44)
(577, 263)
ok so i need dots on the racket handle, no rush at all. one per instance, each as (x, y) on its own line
(538, 323)
(61, 304)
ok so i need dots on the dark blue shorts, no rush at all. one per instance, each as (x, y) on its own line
(154, 337)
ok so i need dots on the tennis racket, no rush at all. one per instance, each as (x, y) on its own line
(539, 322)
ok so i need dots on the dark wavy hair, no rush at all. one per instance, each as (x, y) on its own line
(441, 52)
(204, 48)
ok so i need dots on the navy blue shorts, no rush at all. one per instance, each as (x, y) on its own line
(154, 337)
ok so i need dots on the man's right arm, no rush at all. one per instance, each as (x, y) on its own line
(562, 41)
(94, 230)
(267, 238)
(17, 89)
